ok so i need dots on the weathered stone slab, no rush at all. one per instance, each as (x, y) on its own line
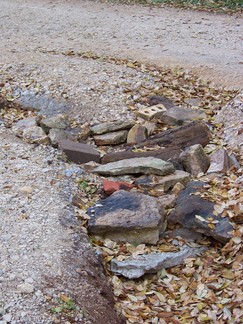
(137, 134)
(112, 138)
(166, 182)
(127, 217)
(111, 127)
(171, 141)
(56, 135)
(197, 213)
(136, 166)
(195, 160)
(35, 135)
(59, 121)
(219, 162)
(78, 152)
(136, 267)
(181, 115)
(152, 112)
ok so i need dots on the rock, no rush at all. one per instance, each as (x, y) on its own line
(137, 134)
(152, 112)
(136, 166)
(184, 233)
(59, 121)
(196, 213)
(111, 127)
(35, 135)
(84, 132)
(112, 186)
(193, 102)
(219, 162)
(151, 127)
(26, 288)
(195, 160)
(23, 124)
(177, 188)
(164, 183)
(7, 318)
(156, 100)
(56, 135)
(78, 152)
(171, 141)
(136, 267)
(26, 189)
(113, 138)
(181, 115)
(127, 217)
(167, 201)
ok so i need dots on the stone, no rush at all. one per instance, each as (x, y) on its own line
(136, 166)
(35, 135)
(156, 100)
(56, 135)
(193, 102)
(177, 116)
(152, 112)
(185, 234)
(25, 288)
(197, 213)
(164, 183)
(219, 162)
(26, 189)
(137, 134)
(112, 186)
(59, 121)
(151, 127)
(7, 318)
(167, 201)
(79, 152)
(23, 124)
(127, 217)
(171, 141)
(177, 188)
(135, 267)
(84, 132)
(113, 138)
(195, 160)
(111, 127)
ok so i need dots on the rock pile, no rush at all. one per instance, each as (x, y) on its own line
(150, 166)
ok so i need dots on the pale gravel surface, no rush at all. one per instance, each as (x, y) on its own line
(36, 246)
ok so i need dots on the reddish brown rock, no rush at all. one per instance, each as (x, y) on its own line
(112, 186)
(78, 152)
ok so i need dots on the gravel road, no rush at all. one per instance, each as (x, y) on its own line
(43, 252)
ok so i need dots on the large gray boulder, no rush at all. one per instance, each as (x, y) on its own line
(136, 267)
(127, 217)
(148, 165)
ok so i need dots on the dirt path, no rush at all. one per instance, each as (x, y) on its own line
(211, 44)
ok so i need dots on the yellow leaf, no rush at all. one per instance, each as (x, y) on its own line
(227, 274)
(64, 298)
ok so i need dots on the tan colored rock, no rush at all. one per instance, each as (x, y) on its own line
(152, 112)
(137, 134)
(111, 127)
(35, 135)
(177, 188)
(195, 160)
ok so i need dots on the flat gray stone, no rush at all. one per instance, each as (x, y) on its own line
(113, 138)
(219, 162)
(23, 124)
(195, 160)
(111, 127)
(59, 121)
(127, 217)
(180, 115)
(136, 267)
(26, 288)
(147, 165)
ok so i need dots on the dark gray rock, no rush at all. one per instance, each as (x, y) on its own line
(136, 267)
(127, 217)
(196, 213)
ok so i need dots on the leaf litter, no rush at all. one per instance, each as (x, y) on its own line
(206, 289)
